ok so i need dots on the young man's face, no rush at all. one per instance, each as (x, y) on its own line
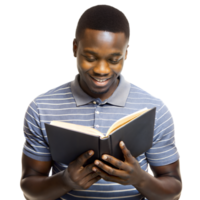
(100, 57)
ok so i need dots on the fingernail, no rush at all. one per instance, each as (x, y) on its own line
(91, 153)
(104, 157)
(122, 143)
(96, 162)
(94, 169)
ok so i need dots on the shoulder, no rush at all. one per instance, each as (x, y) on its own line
(52, 97)
(58, 90)
(56, 93)
(140, 96)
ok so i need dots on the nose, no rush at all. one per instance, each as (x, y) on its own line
(102, 68)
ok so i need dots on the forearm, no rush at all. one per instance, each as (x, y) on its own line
(43, 187)
(156, 188)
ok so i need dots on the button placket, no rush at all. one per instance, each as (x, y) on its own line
(96, 115)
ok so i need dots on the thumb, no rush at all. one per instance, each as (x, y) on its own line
(127, 154)
(83, 158)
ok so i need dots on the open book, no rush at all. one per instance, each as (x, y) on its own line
(67, 141)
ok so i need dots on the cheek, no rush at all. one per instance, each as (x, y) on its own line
(117, 68)
(83, 65)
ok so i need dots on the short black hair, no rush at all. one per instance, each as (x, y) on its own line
(105, 18)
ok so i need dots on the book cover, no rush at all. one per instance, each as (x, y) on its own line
(66, 145)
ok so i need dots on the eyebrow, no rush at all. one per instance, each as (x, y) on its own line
(94, 53)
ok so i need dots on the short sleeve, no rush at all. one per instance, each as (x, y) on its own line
(163, 150)
(36, 146)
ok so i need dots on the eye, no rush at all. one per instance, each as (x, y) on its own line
(115, 61)
(89, 58)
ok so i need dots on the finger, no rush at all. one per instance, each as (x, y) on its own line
(90, 176)
(109, 170)
(88, 171)
(91, 182)
(82, 159)
(108, 177)
(114, 161)
(127, 154)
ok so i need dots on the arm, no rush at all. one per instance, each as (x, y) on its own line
(165, 185)
(36, 184)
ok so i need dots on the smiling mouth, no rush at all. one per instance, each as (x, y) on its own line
(100, 80)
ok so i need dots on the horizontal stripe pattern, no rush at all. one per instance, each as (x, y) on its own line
(59, 104)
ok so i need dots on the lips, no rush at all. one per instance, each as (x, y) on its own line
(100, 79)
(100, 82)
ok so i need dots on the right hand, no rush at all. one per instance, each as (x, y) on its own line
(78, 177)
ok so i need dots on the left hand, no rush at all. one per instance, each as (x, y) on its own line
(129, 172)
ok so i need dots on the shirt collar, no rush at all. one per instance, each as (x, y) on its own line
(118, 97)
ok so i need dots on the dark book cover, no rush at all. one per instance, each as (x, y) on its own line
(66, 145)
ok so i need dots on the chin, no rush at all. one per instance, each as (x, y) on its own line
(99, 92)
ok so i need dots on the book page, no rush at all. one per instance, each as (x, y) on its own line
(78, 128)
(125, 120)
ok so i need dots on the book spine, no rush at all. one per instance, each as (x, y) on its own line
(104, 146)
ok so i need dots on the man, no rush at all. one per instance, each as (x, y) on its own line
(98, 97)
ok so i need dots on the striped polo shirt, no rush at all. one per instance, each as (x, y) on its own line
(69, 103)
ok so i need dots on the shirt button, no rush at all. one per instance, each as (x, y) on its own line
(97, 112)
(97, 126)
(94, 102)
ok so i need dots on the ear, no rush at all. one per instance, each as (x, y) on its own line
(74, 47)
(128, 52)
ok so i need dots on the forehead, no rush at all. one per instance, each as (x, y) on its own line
(103, 40)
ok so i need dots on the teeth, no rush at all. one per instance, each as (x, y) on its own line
(100, 80)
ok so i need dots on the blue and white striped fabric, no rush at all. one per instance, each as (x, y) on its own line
(69, 103)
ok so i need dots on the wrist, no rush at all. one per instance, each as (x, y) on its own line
(142, 179)
(65, 180)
